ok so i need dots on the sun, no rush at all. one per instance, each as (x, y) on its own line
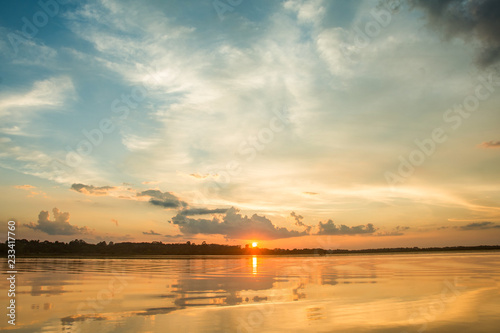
(254, 244)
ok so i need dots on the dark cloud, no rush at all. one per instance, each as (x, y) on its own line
(480, 226)
(151, 233)
(92, 190)
(472, 19)
(174, 236)
(157, 198)
(163, 199)
(329, 228)
(235, 226)
(202, 211)
(298, 221)
(60, 225)
(490, 144)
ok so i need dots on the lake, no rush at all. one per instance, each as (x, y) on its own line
(437, 292)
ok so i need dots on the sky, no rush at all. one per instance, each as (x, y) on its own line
(332, 124)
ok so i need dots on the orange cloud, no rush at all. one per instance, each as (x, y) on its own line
(199, 176)
(30, 188)
(490, 144)
(151, 183)
(24, 187)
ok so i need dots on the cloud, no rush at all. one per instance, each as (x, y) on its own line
(490, 144)
(163, 199)
(151, 233)
(479, 19)
(50, 93)
(235, 226)
(480, 226)
(202, 211)
(31, 188)
(398, 231)
(59, 226)
(200, 176)
(24, 187)
(174, 236)
(306, 11)
(30, 161)
(310, 193)
(92, 190)
(329, 228)
(298, 221)
(156, 197)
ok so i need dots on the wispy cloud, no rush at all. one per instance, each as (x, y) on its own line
(200, 176)
(32, 190)
(480, 226)
(202, 211)
(151, 182)
(24, 187)
(52, 92)
(490, 144)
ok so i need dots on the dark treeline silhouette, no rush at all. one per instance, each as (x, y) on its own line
(80, 247)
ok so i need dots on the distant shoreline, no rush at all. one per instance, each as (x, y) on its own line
(81, 249)
(225, 256)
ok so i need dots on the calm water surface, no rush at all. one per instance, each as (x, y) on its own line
(440, 292)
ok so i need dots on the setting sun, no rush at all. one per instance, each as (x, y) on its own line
(254, 244)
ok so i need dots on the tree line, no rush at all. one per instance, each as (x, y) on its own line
(81, 247)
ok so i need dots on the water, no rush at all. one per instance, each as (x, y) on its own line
(440, 292)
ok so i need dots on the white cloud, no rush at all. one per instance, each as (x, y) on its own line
(49, 93)
(307, 11)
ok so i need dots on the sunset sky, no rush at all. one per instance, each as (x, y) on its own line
(333, 124)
